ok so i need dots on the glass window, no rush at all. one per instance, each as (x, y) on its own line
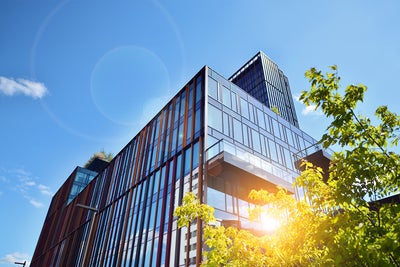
(275, 128)
(234, 104)
(195, 155)
(264, 146)
(226, 123)
(267, 123)
(179, 167)
(252, 115)
(190, 99)
(211, 140)
(245, 135)
(244, 107)
(173, 141)
(230, 203)
(290, 137)
(288, 158)
(256, 140)
(272, 149)
(243, 208)
(189, 128)
(215, 118)
(283, 132)
(187, 162)
(281, 159)
(180, 135)
(213, 88)
(215, 198)
(183, 102)
(237, 130)
(198, 88)
(226, 97)
(260, 117)
(197, 121)
(176, 113)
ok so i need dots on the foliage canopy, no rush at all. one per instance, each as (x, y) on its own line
(99, 155)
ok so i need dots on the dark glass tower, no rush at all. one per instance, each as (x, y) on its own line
(212, 138)
(262, 79)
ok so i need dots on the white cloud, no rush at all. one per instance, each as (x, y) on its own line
(10, 86)
(26, 185)
(45, 190)
(36, 204)
(310, 110)
(15, 257)
(307, 110)
(30, 183)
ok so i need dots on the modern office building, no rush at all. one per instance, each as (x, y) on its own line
(213, 138)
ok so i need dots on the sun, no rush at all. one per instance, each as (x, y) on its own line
(269, 223)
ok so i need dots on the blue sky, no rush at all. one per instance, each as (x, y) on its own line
(77, 77)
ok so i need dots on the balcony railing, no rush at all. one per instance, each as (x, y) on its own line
(311, 150)
(225, 146)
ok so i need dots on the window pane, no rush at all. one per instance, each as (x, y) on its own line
(215, 198)
(190, 99)
(197, 121)
(226, 97)
(256, 140)
(198, 88)
(215, 118)
(260, 117)
(226, 124)
(195, 155)
(252, 115)
(276, 128)
(180, 135)
(234, 104)
(187, 161)
(189, 128)
(272, 148)
(237, 130)
(179, 167)
(288, 158)
(212, 88)
(245, 136)
(267, 123)
(244, 106)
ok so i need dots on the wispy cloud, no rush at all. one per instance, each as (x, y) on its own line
(45, 190)
(36, 203)
(26, 185)
(10, 87)
(15, 257)
(308, 110)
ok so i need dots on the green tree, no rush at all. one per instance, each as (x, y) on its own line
(340, 222)
(363, 230)
(99, 155)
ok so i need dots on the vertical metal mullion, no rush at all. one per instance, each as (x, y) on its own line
(161, 234)
(155, 216)
(125, 226)
(171, 211)
(106, 241)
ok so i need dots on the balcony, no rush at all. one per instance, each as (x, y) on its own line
(231, 164)
(317, 155)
